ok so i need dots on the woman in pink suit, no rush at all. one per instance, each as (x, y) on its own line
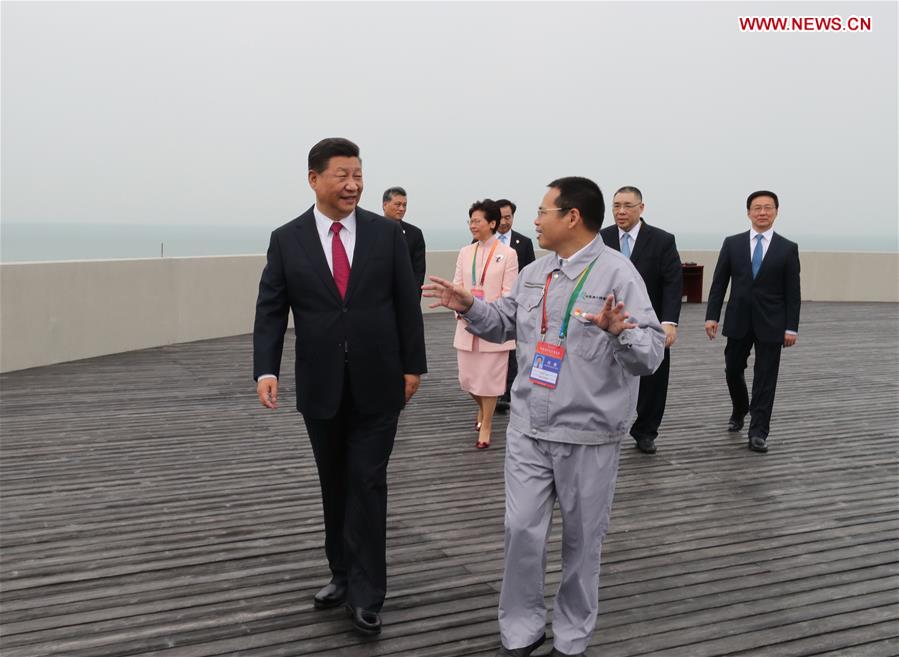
(488, 269)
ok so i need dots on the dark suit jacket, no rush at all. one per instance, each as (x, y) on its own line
(655, 256)
(524, 247)
(415, 239)
(768, 304)
(377, 333)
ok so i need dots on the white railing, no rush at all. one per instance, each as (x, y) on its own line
(52, 312)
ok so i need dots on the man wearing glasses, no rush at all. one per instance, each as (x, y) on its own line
(654, 253)
(585, 332)
(762, 268)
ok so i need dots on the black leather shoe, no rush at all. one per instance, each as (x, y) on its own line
(558, 653)
(646, 445)
(758, 444)
(333, 595)
(366, 622)
(521, 652)
(734, 424)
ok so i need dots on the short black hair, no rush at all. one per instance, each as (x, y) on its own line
(629, 189)
(762, 192)
(391, 192)
(583, 194)
(490, 208)
(323, 151)
(503, 202)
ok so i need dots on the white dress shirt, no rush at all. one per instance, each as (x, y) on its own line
(766, 241)
(564, 261)
(347, 235)
(632, 233)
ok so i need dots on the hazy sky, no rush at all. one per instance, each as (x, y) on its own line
(203, 113)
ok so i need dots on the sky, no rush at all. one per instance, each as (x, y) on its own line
(203, 113)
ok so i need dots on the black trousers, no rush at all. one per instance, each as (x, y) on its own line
(351, 452)
(511, 372)
(651, 401)
(764, 380)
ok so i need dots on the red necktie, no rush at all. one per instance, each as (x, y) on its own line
(339, 260)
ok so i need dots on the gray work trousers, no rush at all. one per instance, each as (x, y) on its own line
(582, 478)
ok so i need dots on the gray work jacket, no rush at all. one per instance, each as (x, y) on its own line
(595, 399)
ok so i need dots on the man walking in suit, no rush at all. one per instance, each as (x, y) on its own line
(762, 268)
(345, 275)
(394, 203)
(654, 253)
(525, 250)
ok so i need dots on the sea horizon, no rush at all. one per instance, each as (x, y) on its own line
(47, 242)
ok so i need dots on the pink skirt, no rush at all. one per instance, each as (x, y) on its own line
(483, 373)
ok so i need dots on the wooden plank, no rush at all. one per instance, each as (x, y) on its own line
(150, 508)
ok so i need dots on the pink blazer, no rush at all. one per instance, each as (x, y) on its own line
(501, 276)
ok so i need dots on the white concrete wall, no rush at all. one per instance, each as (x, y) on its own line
(52, 312)
(828, 276)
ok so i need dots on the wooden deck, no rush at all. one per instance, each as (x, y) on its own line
(150, 506)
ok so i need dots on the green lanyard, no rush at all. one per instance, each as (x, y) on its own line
(474, 259)
(563, 330)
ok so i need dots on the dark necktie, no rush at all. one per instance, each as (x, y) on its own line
(339, 260)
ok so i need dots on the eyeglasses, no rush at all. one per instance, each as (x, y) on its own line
(759, 208)
(542, 212)
(625, 206)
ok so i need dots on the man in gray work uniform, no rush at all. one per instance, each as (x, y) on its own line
(585, 332)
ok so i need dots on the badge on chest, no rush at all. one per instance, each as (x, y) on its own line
(546, 364)
(548, 357)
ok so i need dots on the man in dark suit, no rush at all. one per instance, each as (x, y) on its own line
(653, 253)
(762, 268)
(524, 247)
(344, 272)
(394, 203)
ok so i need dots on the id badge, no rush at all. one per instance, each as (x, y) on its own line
(477, 293)
(546, 364)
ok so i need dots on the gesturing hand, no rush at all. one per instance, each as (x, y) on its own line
(612, 317)
(454, 297)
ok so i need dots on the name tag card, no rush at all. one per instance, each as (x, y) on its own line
(547, 363)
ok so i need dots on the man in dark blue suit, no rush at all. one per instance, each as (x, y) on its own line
(345, 275)
(762, 268)
(653, 252)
